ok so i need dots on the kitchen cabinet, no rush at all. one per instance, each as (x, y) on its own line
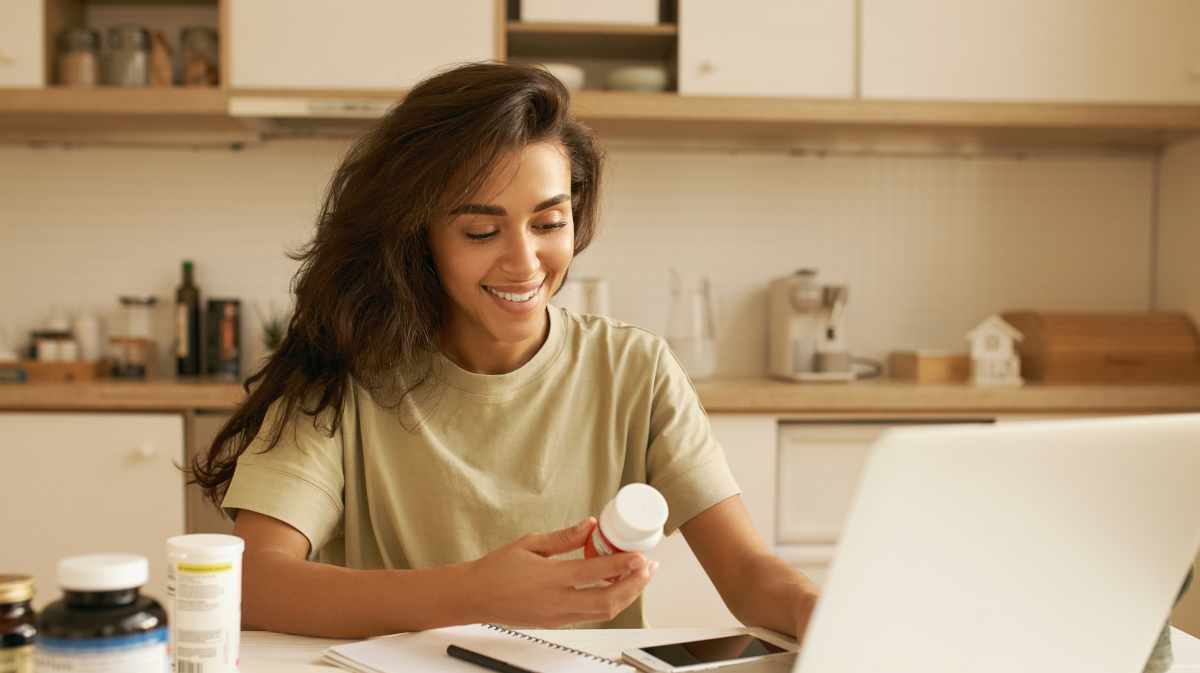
(353, 44)
(681, 595)
(1102, 51)
(780, 49)
(22, 44)
(90, 483)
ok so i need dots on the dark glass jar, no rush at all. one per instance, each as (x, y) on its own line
(16, 624)
(102, 621)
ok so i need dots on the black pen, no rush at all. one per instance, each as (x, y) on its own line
(484, 660)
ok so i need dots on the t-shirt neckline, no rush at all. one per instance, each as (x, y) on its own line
(499, 384)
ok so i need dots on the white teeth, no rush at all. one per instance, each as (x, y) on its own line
(517, 298)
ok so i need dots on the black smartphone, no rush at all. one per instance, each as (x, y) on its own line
(699, 655)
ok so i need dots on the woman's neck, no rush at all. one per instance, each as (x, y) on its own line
(483, 354)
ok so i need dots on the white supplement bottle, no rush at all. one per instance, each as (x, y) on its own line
(204, 602)
(632, 521)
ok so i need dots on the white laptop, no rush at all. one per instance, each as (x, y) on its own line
(1021, 547)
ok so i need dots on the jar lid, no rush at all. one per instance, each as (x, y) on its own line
(137, 300)
(15, 588)
(641, 511)
(206, 544)
(103, 572)
(125, 35)
(78, 38)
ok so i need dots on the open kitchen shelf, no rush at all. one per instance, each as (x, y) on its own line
(201, 115)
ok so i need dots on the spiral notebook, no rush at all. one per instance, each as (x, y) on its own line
(426, 651)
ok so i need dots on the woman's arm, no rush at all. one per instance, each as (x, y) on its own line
(517, 584)
(759, 588)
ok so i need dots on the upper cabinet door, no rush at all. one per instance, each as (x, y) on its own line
(21, 34)
(354, 44)
(1104, 51)
(799, 48)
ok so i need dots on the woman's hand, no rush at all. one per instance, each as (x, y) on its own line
(519, 584)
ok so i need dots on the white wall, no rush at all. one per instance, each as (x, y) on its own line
(928, 245)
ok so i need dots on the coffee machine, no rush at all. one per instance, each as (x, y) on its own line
(803, 317)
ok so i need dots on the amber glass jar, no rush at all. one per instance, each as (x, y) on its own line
(16, 624)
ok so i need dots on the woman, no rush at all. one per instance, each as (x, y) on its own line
(433, 432)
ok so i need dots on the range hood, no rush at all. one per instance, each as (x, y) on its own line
(312, 117)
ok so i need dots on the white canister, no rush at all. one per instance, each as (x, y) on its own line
(204, 602)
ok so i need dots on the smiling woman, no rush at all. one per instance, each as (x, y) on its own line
(431, 437)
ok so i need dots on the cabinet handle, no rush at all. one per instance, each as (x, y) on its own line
(5, 59)
(708, 65)
(145, 451)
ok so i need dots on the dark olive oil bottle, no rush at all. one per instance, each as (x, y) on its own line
(187, 325)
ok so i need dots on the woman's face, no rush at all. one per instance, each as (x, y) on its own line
(502, 256)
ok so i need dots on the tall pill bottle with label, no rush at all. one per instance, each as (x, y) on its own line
(204, 601)
(632, 521)
(102, 623)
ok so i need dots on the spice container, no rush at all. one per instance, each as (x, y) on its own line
(78, 57)
(198, 56)
(128, 59)
(132, 341)
(17, 628)
(102, 622)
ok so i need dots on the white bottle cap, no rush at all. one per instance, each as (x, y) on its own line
(206, 545)
(103, 572)
(633, 520)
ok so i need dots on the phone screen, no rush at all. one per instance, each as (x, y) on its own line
(729, 648)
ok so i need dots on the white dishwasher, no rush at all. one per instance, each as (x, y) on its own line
(820, 462)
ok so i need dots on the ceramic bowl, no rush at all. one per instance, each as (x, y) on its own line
(638, 78)
(570, 75)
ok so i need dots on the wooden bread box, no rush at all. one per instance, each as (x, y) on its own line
(1133, 347)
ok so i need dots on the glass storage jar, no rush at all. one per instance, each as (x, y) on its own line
(198, 56)
(78, 57)
(128, 62)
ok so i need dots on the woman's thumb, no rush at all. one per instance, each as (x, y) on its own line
(562, 541)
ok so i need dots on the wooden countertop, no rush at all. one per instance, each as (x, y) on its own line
(746, 395)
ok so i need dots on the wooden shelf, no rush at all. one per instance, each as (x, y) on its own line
(872, 124)
(199, 115)
(176, 115)
(560, 41)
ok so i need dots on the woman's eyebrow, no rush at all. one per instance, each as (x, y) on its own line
(480, 209)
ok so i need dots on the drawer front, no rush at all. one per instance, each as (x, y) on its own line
(819, 465)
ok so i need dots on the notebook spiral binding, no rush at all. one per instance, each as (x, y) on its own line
(547, 643)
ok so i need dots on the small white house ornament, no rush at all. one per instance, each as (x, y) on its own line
(994, 362)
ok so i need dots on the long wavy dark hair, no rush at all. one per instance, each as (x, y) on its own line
(368, 300)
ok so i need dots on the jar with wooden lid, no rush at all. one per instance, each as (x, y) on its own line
(198, 56)
(78, 57)
(128, 57)
(17, 628)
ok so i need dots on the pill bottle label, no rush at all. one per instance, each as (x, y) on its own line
(16, 659)
(207, 613)
(599, 545)
(138, 653)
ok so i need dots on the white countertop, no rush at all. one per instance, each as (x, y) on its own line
(265, 652)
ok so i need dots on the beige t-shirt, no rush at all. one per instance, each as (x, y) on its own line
(602, 404)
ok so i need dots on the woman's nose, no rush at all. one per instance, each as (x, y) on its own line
(521, 257)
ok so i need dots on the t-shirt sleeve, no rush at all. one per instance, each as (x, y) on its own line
(684, 461)
(299, 481)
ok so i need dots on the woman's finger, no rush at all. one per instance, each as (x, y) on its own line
(559, 541)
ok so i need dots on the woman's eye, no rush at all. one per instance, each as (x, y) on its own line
(480, 237)
(552, 226)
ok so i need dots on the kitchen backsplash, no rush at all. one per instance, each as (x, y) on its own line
(927, 244)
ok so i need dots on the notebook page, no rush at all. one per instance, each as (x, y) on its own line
(426, 651)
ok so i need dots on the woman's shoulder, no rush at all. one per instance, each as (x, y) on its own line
(588, 333)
